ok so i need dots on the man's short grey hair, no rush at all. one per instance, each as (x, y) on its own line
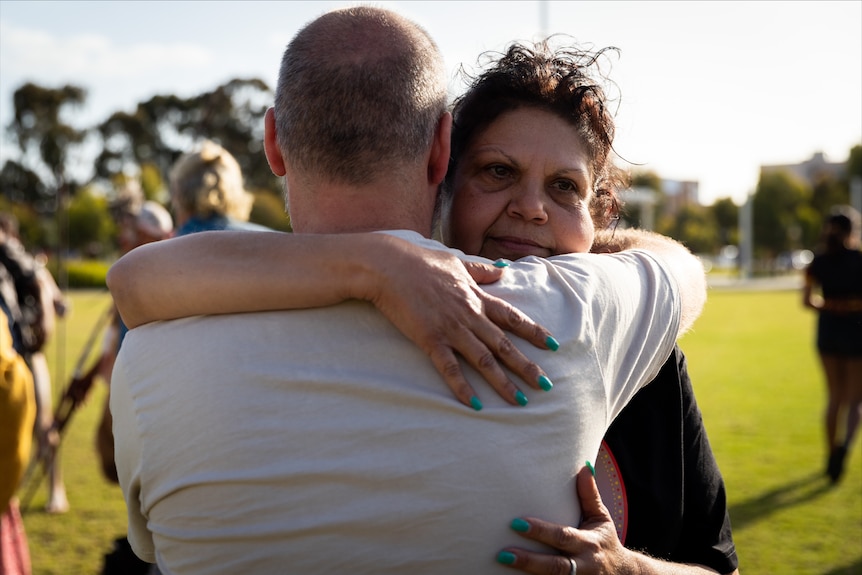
(360, 92)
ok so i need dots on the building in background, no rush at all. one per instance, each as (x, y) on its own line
(649, 206)
(678, 194)
(812, 170)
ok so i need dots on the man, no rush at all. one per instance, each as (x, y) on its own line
(322, 440)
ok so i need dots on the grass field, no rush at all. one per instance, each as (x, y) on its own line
(759, 385)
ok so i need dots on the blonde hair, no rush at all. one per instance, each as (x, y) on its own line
(209, 182)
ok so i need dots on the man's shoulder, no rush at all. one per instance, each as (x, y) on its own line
(422, 241)
(607, 272)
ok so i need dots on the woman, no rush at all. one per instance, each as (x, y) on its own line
(207, 192)
(530, 176)
(837, 273)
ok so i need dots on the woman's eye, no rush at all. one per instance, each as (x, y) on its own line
(566, 186)
(499, 171)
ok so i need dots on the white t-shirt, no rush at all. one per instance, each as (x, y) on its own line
(324, 441)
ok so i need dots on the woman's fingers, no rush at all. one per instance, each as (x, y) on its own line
(488, 349)
(506, 317)
(465, 343)
(504, 314)
(435, 301)
(536, 563)
(498, 317)
(593, 510)
(594, 546)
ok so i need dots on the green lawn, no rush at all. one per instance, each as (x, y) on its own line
(755, 371)
(758, 381)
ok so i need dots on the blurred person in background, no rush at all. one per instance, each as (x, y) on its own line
(836, 273)
(39, 302)
(207, 192)
(138, 225)
(17, 417)
(139, 222)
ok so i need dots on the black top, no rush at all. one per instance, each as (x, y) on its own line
(838, 273)
(674, 491)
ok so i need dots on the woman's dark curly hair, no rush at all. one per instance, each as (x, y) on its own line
(559, 81)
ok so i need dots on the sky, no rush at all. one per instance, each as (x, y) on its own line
(709, 91)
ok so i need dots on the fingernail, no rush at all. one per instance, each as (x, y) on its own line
(520, 525)
(591, 468)
(506, 558)
(521, 398)
(545, 383)
(552, 343)
(475, 403)
(501, 264)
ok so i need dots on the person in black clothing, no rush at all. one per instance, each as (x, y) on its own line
(655, 450)
(836, 272)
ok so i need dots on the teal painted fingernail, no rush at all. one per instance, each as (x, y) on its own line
(591, 468)
(521, 398)
(545, 383)
(501, 264)
(520, 525)
(552, 343)
(506, 558)
(475, 403)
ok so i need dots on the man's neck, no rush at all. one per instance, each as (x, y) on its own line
(338, 209)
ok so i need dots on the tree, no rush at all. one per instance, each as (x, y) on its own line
(41, 132)
(91, 228)
(165, 126)
(21, 185)
(854, 162)
(152, 184)
(631, 214)
(46, 142)
(725, 213)
(30, 229)
(694, 226)
(827, 192)
(778, 215)
(139, 139)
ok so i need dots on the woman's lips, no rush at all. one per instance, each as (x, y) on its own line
(514, 247)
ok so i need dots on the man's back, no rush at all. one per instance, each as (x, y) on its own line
(323, 440)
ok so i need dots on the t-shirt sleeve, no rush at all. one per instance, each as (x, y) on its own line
(127, 452)
(635, 312)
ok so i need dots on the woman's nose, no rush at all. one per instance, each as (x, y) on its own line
(528, 203)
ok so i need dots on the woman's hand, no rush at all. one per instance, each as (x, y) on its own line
(591, 549)
(434, 299)
(594, 548)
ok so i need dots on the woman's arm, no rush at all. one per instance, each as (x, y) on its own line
(684, 266)
(594, 546)
(429, 295)
(809, 298)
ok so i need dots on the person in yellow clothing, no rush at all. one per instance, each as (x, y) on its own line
(17, 415)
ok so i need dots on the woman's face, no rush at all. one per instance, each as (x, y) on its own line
(523, 187)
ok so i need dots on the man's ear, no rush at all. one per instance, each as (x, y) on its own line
(438, 160)
(270, 144)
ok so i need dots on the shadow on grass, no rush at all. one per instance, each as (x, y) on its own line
(849, 569)
(797, 491)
